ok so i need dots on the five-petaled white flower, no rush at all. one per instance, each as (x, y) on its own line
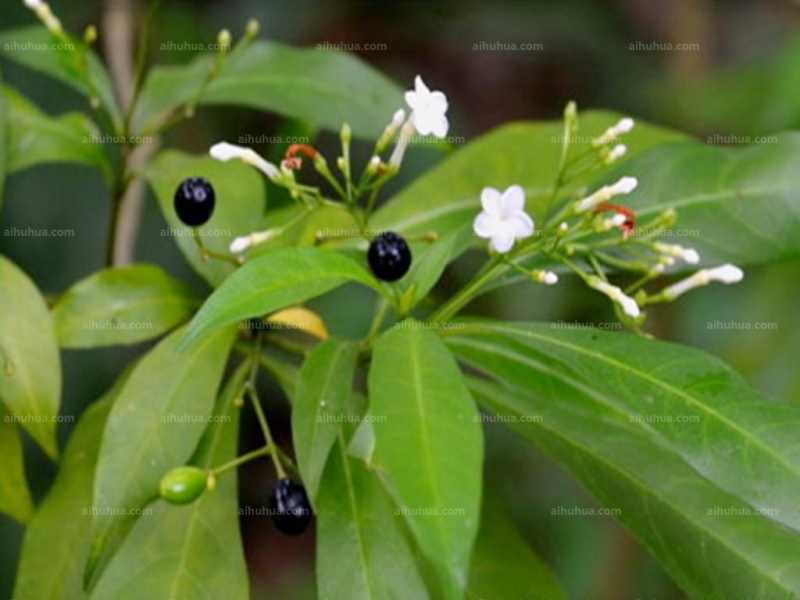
(427, 109)
(503, 219)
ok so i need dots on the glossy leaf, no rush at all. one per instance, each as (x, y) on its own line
(504, 565)
(3, 138)
(323, 87)
(155, 426)
(30, 368)
(64, 518)
(36, 138)
(15, 498)
(78, 67)
(273, 281)
(423, 412)
(240, 205)
(362, 552)
(702, 468)
(124, 305)
(323, 389)
(192, 551)
(525, 153)
(736, 205)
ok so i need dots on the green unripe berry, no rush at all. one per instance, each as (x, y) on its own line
(183, 485)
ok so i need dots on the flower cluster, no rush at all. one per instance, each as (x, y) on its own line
(588, 232)
(568, 235)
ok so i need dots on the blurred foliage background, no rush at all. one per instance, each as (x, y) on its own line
(741, 80)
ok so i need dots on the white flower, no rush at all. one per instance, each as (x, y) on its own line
(427, 109)
(687, 255)
(609, 135)
(616, 153)
(224, 151)
(628, 304)
(503, 219)
(726, 274)
(242, 243)
(622, 187)
(545, 277)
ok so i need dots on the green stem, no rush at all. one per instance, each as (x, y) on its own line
(262, 420)
(468, 292)
(239, 460)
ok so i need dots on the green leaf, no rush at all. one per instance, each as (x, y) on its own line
(3, 138)
(154, 426)
(239, 209)
(30, 369)
(504, 565)
(423, 413)
(33, 47)
(35, 138)
(125, 305)
(702, 469)
(737, 204)
(323, 87)
(273, 281)
(525, 153)
(323, 389)
(65, 516)
(15, 498)
(192, 551)
(430, 263)
(362, 552)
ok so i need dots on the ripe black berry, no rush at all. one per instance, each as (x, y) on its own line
(289, 507)
(194, 201)
(389, 256)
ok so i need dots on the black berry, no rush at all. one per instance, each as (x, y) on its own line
(389, 256)
(289, 507)
(194, 201)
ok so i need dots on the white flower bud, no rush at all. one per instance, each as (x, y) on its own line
(726, 274)
(616, 153)
(545, 277)
(628, 304)
(609, 135)
(622, 187)
(224, 152)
